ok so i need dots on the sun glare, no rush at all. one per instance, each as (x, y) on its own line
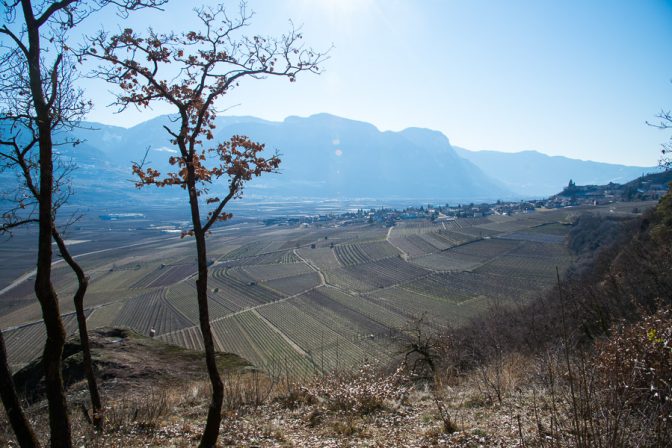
(344, 6)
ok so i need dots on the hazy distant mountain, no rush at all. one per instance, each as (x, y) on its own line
(533, 174)
(328, 156)
(324, 156)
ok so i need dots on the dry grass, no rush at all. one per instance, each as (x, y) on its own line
(539, 406)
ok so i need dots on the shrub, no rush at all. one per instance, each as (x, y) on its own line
(634, 368)
(361, 392)
(616, 394)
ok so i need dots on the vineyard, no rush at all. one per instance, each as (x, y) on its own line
(277, 257)
(323, 258)
(25, 343)
(303, 299)
(151, 311)
(291, 286)
(411, 305)
(266, 272)
(449, 261)
(165, 275)
(350, 255)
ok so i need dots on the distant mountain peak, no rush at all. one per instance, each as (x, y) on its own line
(328, 156)
(426, 135)
(331, 120)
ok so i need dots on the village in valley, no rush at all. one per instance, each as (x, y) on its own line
(650, 187)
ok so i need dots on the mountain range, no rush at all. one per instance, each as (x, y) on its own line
(325, 156)
(533, 174)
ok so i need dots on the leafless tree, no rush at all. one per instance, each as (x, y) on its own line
(664, 122)
(37, 103)
(209, 63)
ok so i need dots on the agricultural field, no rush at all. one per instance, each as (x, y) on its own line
(297, 284)
(25, 343)
(300, 299)
(323, 258)
(449, 261)
(151, 311)
(266, 272)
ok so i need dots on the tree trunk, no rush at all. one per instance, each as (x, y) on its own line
(211, 431)
(59, 420)
(20, 424)
(83, 283)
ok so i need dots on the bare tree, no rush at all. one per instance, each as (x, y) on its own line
(37, 103)
(209, 63)
(19, 152)
(664, 122)
(18, 146)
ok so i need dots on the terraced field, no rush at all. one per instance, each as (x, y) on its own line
(266, 272)
(151, 311)
(307, 299)
(350, 255)
(25, 343)
(291, 286)
(166, 275)
(323, 258)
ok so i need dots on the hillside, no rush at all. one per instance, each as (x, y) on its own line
(157, 395)
(140, 378)
(497, 359)
(650, 187)
(559, 371)
(124, 360)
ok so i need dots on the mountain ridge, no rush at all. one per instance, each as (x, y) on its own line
(327, 156)
(535, 174)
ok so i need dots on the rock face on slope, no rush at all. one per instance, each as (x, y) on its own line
(123, 360)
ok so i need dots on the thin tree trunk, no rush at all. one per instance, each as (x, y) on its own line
(211, 431)
(59, 420)
(83, 283)
(20, 424)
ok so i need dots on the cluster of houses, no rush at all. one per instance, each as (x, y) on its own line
(389, 216)
(646, 188)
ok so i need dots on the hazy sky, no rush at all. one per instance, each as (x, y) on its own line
(575, 78)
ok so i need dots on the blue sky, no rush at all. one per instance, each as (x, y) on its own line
(573, 78)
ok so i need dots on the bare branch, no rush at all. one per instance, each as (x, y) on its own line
(234, 187)
(6, 227)
(53, 9)
(54, 82)
(14, 37)
(665, 123)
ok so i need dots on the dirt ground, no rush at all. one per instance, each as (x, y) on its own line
(157, 395)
